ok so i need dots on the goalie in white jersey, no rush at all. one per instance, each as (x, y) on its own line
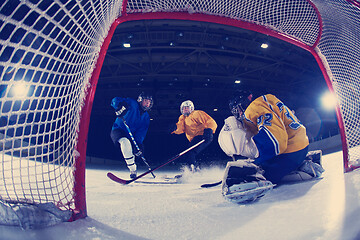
(267, 132)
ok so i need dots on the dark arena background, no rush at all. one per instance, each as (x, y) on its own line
(206, 63)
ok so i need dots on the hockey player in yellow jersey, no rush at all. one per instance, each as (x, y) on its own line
(196, 125)
(276, 129)
(266, 131)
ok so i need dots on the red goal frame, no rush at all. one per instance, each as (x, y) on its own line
(86, 112)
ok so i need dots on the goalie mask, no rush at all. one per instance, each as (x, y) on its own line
(146, 101)
(239, 104)
(186, 108)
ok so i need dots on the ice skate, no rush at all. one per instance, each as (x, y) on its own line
(133, 174)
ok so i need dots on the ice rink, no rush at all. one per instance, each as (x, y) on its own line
(320, 209)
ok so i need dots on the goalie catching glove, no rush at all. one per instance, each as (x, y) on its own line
(234, 139)
(243, 182)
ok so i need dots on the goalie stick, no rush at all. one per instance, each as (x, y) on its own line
(125, 182)
(137, 147)
(208, 185)
(162, 180)
(155, 183)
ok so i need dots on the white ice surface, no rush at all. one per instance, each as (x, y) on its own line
(322, 209)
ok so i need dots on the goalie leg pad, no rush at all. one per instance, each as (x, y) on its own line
(306, 171)
(247, 192)
(311, 168)
(243, 182)
(296, 176)
(315, 156)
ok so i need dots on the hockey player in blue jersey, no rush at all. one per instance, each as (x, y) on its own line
(136, 117)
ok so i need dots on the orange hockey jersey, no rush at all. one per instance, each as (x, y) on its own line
(194, 124)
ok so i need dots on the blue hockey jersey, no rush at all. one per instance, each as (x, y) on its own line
(137, 120)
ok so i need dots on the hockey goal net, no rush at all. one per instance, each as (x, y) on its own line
(51, 55)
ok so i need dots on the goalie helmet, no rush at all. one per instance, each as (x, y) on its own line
(239, 103)
(186, 108)
(145, 100)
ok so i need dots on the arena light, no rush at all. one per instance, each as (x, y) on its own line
(20, 89)
(126, 45)
(329, 101)
(264, 45)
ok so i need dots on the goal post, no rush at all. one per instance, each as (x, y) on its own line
(51, 56)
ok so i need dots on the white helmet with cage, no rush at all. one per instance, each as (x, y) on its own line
(186, 107)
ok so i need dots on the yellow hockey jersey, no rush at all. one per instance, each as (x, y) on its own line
(194, 124)
(276, 128)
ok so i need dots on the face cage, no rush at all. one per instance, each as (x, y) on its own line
(190, 110)
(236, 112)
(151, 103)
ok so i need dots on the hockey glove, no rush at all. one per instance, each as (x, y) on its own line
(208, 134)
(122, 109)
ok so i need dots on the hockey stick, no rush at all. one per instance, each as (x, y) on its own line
(208, 185)
(125, 182)
(137, 147)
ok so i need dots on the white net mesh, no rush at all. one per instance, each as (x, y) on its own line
(339, 45)
(295, 18)
(49, 49)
